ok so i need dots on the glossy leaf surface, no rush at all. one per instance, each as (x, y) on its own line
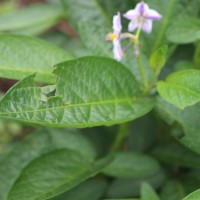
(54, 173)
(90, 91)
(181, 88)
(35, 145)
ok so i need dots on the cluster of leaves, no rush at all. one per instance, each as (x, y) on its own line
(70, 82)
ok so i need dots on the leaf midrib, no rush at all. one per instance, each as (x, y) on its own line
(116, 101)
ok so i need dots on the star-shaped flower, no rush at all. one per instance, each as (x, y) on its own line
(142, 17)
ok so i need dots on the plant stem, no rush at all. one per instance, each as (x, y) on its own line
(139, 59)
(142, 73)
(121, 134)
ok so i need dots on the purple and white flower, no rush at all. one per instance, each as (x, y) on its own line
(115, 37)
(142, 17)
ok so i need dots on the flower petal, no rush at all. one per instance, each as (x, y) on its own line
(131, 14)
(132, 25)
(117, 27)
(142, 8)
(147, 26)
(117, 50)
(153, 15)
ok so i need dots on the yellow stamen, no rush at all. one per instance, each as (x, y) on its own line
(111, 36)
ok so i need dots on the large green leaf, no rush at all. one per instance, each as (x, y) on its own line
(54, 173)
(188, 118)
(23, 21)
(181, 88)
(35, 145)
(184, 30)
(23, 55)
(131, 165)
(90, 91)
(193, 196)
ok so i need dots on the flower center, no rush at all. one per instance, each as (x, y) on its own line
(111, 36)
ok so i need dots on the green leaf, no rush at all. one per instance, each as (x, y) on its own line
(188, 118)
(184, 30)
(85, 11)
(193, 196)
(191, 181)
(148, 193)
(90, 91)
(170, 10)
(36, 144)
(131, 165)
(146, 126)
(30, 55)
(121, 188)
(158, 59)
(92, 189)
(181, 88)
(23, 21)
(53, 174)
(121, 199)
(93, 37)
(60, 39)
(172, 190)
(172, 153)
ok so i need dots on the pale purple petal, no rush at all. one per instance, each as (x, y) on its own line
(147, 26)
(153, 15)
(117, 27)
(142, 8)
(131, 14)
(117, 50)
(132, 26)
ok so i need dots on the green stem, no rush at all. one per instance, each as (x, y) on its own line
(121, 134)
(142, 73)
(139, 59)
(196, 58)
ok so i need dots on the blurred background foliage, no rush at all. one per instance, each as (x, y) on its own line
(153, 149)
